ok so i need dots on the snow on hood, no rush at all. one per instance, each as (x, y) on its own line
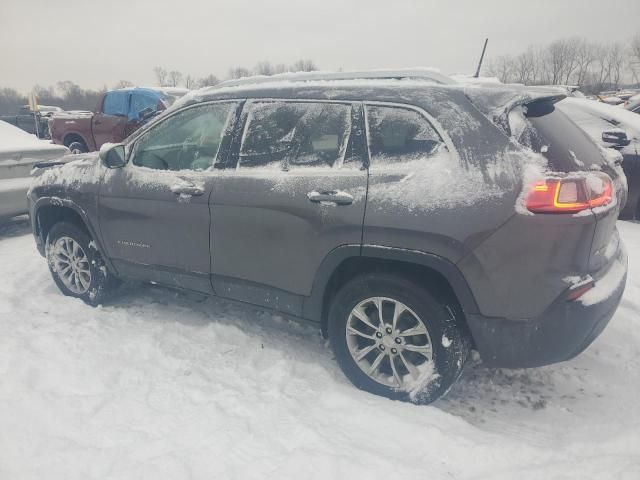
(13, 139)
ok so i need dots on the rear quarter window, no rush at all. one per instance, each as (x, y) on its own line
(397, 134)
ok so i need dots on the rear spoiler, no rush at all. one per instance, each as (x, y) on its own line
(496, 101)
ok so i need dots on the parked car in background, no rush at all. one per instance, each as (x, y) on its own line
(612, 100)
(616, 129)
(633, 104)
(36, 122)
(390, 208)
(118, 114)
(19, 151)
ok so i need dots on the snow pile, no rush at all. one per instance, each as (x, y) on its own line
(13, 139)
(160, 384)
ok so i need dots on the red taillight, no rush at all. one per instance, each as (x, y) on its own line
(579, 290)
(570, 195)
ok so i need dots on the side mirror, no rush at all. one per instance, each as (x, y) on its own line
(616, 137)
(113, 155)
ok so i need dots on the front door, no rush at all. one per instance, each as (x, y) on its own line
(154, 212)
(296, 190)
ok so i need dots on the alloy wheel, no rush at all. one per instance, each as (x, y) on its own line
(71, 264)
(389, 342)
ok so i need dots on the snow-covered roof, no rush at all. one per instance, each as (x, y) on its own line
(418, 73)
(173, 91)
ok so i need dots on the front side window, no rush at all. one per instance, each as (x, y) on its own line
(189, 140)
(399, 135)
(287, 135)
(116, 103)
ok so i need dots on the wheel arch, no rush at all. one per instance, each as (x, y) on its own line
(48, 211)
(71, 137)
(345, 262)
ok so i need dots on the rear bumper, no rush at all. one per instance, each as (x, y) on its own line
(563, 331)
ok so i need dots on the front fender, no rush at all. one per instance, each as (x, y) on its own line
(36, 206)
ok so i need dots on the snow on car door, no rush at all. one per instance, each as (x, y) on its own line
(296, 191)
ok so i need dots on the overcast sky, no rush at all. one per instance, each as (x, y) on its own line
(98, 42)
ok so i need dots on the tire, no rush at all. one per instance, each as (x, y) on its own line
(78, 147)
(93, 282)
(446, 334)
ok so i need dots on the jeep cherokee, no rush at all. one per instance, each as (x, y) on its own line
(411, 218)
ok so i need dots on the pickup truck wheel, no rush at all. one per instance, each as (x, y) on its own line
(76, 265)
(78, 147)
(397, 339)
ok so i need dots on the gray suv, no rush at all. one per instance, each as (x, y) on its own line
(411, 218)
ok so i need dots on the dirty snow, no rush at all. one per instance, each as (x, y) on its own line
(160, 384)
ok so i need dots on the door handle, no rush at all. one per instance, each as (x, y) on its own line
(332, 196)
(187, 189)
(97, 122)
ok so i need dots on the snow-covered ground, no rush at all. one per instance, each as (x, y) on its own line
(165, 385)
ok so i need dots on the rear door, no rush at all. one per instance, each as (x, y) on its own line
(110, 121)
(154, 212)
(294, 191)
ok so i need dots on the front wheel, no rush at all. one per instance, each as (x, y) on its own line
(76, 265)
(397, 339)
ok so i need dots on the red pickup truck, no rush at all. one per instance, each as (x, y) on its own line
(118, 114)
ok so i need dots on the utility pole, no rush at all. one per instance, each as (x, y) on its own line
(486, 40)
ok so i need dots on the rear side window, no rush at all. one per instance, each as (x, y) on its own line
(116, 103)
(142, 102)
(399, 135)
(288, 135)
(543, 128)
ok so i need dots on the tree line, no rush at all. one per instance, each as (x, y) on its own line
(572, 61)
(175, 78)
(70, 96)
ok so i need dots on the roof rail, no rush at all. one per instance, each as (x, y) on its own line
(427, 74)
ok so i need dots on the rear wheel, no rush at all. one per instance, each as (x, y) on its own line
(78, 147)
(395, 338)
(76, 265)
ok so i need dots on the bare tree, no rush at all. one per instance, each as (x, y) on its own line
(634, 58)
(123, 84)
(174, 78)
(303, 66)
(615, 61)
(161, 75)
(208, 81)
(524, 67)
(501, 67)
(280, 68)
(264, 68)
(238, 72)
(190, 82)
(585, 56)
